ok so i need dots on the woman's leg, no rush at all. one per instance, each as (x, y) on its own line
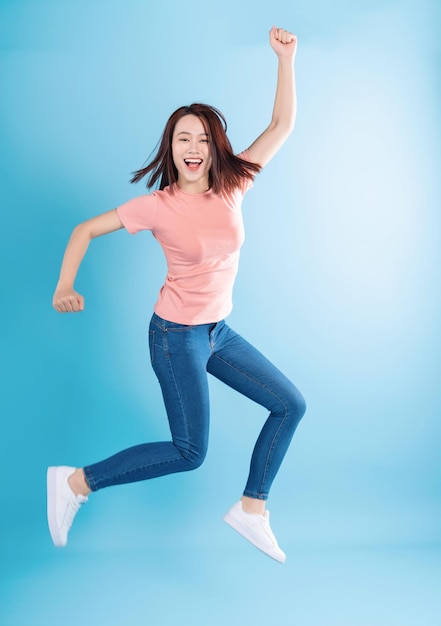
(241, 366)
(179, 356)
(238, 364)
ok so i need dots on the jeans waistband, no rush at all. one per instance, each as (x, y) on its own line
(164, 324)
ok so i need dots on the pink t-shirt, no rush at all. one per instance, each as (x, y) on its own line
(201, 236)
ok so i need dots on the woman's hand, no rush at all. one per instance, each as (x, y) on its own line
(67, 300)
(283, 42)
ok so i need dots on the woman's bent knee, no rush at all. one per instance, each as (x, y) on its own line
(193, 457)
(296, 405)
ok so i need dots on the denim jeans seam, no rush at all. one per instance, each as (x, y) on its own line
(153, 321)
(147, 465)
(152, 334)
(181, 407)
(270, 451)
(254, 381)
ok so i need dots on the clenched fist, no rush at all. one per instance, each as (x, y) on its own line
(283, 42)
(67, 300)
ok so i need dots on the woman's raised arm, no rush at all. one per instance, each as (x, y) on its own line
(66, 299)
(268, 143)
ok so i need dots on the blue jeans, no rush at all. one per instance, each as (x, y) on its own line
(181, 357)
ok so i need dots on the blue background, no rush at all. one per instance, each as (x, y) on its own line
(339, 284)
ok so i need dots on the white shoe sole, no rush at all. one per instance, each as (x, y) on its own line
(51, 480)
(231, 521)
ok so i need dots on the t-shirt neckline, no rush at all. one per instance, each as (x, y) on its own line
(188, 193)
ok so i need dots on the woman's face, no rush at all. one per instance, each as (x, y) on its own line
(191, 154)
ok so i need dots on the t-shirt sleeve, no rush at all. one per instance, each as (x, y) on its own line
(139, 213)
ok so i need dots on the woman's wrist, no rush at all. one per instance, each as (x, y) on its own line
(286, 60)
(64, 285)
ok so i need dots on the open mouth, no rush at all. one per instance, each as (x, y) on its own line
(193, 164)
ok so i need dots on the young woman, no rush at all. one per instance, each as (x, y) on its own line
(196, 217)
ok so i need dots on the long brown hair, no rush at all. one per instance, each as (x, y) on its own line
(227, 170)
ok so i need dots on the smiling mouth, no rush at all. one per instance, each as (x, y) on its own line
(193, 164)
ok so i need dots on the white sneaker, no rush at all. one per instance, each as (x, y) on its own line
(256, 529)
(62, 503)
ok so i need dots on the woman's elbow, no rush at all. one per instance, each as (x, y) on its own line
(83, 231)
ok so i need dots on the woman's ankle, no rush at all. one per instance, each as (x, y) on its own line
(253, 505)
(78, 484)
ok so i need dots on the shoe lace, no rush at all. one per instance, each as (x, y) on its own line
(266, 525)
(72, 509)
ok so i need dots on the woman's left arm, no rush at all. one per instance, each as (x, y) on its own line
(268, 143)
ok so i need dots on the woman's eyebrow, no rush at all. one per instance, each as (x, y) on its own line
(186, 132)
